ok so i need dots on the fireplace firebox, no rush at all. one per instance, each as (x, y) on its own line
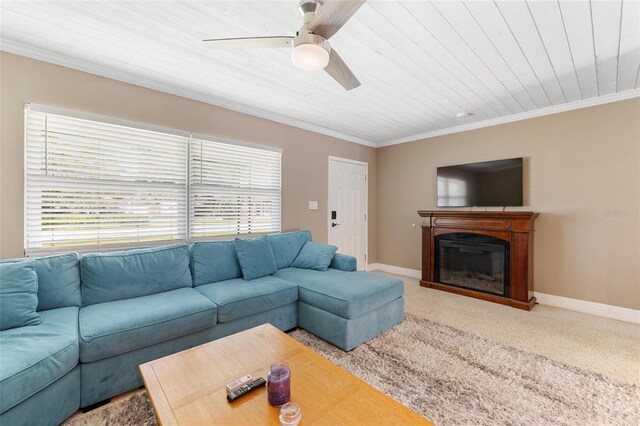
(473, 261)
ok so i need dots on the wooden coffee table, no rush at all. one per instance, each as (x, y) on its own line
(188, 388)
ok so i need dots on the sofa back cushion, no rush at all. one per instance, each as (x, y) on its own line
(18, 294)
(315, 256)
(255, 257)
(133, 273)
(286, 246)
(58, 280)
(214, 261)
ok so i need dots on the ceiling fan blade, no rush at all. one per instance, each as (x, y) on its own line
(340, 72)
(249, 42)
(332, 15)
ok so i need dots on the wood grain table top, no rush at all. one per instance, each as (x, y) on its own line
(188, 388)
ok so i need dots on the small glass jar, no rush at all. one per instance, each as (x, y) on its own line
(290, 414)
(279, 384)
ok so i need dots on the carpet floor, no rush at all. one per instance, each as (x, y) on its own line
(452, 378)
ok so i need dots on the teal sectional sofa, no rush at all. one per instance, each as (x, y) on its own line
(104, 314)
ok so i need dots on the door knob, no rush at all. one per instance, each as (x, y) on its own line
(333, 225)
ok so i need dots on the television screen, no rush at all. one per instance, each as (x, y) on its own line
(486, 184)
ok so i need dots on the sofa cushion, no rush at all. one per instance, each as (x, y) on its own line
(34, 357)
(346, 294)
(133, 273)
(255, 257)
(18, 294)
(287, 245)
(315, 256)
(214, 261)
(112, 328)
(239, 298)
(58, 280)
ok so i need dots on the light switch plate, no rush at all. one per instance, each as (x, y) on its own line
(313, 205)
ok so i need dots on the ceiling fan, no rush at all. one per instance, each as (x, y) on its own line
(310, 48)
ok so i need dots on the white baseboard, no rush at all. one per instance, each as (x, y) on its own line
(584, 306)
(592, 308)
(413, 273)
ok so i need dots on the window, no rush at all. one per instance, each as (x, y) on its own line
(234, 189)
(92, 185)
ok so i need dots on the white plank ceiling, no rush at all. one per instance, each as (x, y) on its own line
(420, 62)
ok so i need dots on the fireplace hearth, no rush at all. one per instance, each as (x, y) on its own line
(487, 255)
(476, 262)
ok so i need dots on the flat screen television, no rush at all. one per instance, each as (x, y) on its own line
(487, 184)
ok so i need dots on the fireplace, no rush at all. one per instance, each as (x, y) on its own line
(474, 261)
(482, 254)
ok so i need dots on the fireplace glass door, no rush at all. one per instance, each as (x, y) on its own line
(476, 262)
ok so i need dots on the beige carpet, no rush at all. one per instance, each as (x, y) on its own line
(453, 378)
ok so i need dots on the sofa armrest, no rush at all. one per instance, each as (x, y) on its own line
(344, 262)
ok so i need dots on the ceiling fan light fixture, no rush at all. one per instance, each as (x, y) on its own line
(309, 56)
(310, 52)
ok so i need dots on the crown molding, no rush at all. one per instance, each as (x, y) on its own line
(585, 103)
(86, 66)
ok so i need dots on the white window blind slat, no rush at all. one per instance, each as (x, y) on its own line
(99, 185)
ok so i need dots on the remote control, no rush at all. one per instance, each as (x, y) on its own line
(245, 389)
(238, 383)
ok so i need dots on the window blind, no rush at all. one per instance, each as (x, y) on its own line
(93, 185)
(233, 189)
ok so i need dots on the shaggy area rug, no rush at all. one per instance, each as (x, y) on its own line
(130, 409)
(453, 378)
(457, 378)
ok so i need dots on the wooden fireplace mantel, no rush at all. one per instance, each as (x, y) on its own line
(516, 227)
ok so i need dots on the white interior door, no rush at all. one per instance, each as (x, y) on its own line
(348, 208)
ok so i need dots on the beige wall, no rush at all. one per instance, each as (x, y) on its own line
(582, 173)
(304, 154)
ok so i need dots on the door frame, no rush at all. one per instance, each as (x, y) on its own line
(366, 202)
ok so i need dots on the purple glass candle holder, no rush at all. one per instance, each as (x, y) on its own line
(279, 384)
